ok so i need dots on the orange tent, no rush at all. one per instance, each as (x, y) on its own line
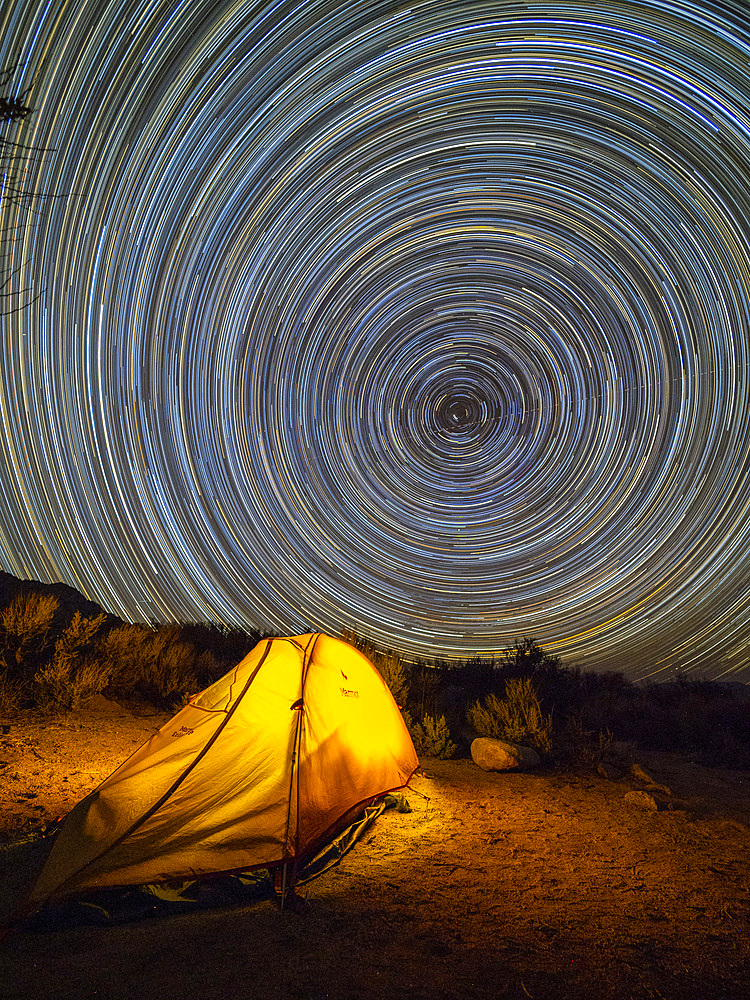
(259, 770)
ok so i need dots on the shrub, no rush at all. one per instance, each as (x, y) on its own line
(517, 717)
(71, 678)
(208, 669)
(431, 736)
(426, 686)
(174, 672)
(225, 647)
(24, 628)
(473, 678)
(391, 668)
(584, 747)
(150, 662)
(10, 694)
(118, 650)
(57, 686)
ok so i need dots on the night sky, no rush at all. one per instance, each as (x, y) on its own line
(428, 320)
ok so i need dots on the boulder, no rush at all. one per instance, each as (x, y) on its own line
(639, 774)
(496, 755)
(641, 800)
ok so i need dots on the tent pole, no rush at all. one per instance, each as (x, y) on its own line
(283, 885)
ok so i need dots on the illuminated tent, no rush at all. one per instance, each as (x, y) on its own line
(260, 770)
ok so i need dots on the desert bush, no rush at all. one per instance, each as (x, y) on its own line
(163, 664)
(76, 639)
(24, 629)
(10, 694)
(60, 687)
(391, 668)
(150, 662)
(431, 736)
(426, 685)
(72, 676)
(471, 679)
(208, 669)
(119, 648)
(175, 672)
(558, 686)
(708, 721)
(517, 717)
(584, 747)
(526, 657)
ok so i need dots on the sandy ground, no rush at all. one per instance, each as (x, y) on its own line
(540, 885)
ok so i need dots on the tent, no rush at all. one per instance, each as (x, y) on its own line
(260, 770)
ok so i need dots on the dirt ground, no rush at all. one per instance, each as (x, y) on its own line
(497, 885)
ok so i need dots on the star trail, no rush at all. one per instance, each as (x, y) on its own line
(425, 320)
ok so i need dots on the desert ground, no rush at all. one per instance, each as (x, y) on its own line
(549, 884)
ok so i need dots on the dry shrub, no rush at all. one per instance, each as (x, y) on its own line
(391, 669)
(425, 689)
(432, 736)
(124, 651)
(120, 651)
(227, 645)
(152, 663)
(25, 625)
(176, 674)
(709, 721)
(516, 718)
(208, 669)
(584, 747)
(72, 677)
(10, 694)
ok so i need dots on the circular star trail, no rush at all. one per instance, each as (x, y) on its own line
(427, 320)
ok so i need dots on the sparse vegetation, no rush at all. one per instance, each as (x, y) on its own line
(11, 694)
(582, 747)
(162, 664)
(54, 657)
(580, 714)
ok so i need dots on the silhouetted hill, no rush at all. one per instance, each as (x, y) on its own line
(69, 599)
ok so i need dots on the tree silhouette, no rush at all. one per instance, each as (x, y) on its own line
(13, 108)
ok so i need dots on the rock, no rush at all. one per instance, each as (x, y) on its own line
(652, 786)
(641, 800)
(495, 755)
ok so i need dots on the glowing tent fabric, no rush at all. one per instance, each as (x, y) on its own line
(259, 769)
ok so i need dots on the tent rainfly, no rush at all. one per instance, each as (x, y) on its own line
(260, 770)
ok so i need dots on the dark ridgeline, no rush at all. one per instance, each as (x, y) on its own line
(69, 600)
